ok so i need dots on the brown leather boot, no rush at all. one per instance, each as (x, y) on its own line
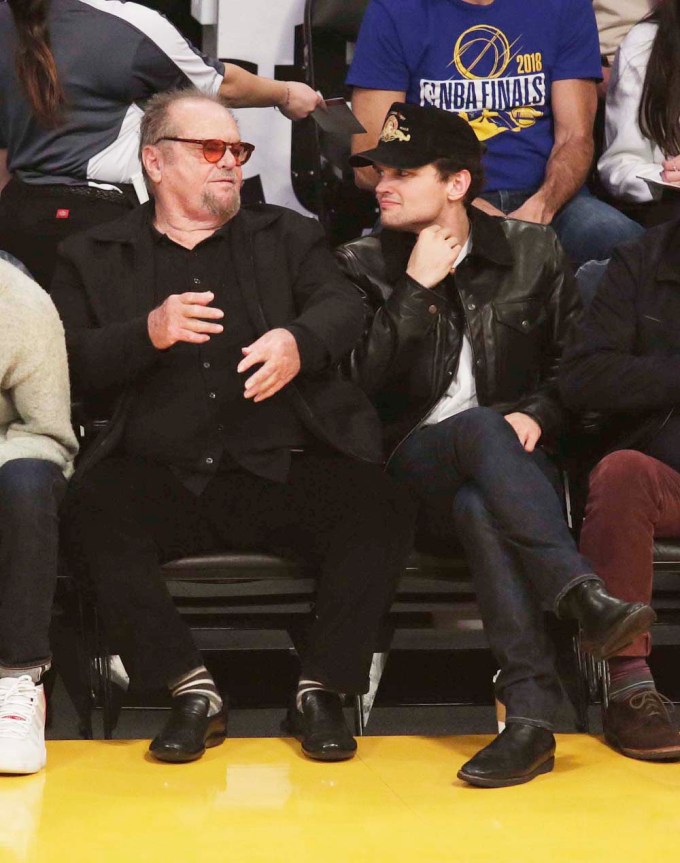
(641, 726)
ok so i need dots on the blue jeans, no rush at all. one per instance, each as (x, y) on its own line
(30, 492)
(477, 484)
(587, 228)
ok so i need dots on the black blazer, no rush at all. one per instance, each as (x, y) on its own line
(103, 289)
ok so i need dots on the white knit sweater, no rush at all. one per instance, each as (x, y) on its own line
(35, 408)
(628, 155)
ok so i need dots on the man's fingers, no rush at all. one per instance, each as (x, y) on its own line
(197, 311)
(193, 338)
(195, 325)
(270, 390)
(251, 360)
(201, 298)
(262, 376)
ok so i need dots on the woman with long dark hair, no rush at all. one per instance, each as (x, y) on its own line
(74, 75)
(640, 166)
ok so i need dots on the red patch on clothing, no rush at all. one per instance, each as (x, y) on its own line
(62, 214)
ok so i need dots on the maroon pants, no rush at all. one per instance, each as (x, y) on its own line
(633, 498)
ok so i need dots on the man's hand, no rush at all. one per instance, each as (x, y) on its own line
(181, 318)
(433, 255)
(278, 351)
(527, 430)
(534, 209)
(300, 101)
(671, 171)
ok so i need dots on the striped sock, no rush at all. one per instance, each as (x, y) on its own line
(627, 674)
(305, 685)
(198, 682)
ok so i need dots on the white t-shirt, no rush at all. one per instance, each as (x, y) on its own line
(462, 391)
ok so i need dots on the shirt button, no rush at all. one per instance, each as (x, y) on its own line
(433, 310)
(212, 395)
(471, 307)
(525, 324)
(209, 461)
(197, 281)
(220, 428)
(206, 365)
(478, 363)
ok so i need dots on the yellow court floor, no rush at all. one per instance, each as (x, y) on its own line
(253, 800)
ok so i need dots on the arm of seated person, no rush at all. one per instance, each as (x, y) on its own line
(242, 89)
(628, 155)
(574, 103)
(370, 107)
(602, 367)
(100, 356)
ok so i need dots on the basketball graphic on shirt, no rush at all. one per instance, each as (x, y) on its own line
(498, 85)
(482, 52)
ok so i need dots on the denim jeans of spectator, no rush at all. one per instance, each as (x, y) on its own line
(477, 484)
(588, 228)
(30, 493)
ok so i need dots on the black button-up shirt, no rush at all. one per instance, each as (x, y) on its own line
(190, 411)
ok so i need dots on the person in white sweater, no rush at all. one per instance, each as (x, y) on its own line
(37, 448)
(642, 127)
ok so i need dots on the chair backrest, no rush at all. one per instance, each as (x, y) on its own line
(337, 16)
(331, 28)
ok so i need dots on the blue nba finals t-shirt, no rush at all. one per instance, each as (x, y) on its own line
(493, 65)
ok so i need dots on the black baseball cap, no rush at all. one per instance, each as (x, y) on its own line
(413, 136)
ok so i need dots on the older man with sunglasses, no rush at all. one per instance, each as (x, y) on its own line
(214, 333)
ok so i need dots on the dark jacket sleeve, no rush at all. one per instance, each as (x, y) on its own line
(563, 308)
(331, 314)
(101, 356)
(600, 370)
(395, 330)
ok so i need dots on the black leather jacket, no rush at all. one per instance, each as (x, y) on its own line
(515, 296)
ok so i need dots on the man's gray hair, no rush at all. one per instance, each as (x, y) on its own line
(156, 121)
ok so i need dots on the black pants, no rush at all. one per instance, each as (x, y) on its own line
(30, 491)
(35, 219)
(349, 518)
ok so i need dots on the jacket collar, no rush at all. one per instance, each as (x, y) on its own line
(132, 226)
(488, 242)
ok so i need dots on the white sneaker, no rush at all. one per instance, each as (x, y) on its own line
(22, 725)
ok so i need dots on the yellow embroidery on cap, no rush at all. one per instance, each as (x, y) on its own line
(391, 130)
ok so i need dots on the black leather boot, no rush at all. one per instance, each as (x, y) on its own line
(320, 726)
(607, 624)
(189, 730)
(519, 753)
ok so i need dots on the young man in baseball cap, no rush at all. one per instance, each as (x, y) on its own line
(470, 316)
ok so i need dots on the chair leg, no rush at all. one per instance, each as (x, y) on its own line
(605, 682)
(582, 693)
(359, 715)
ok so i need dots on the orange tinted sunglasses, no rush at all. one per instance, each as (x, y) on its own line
(214, 148)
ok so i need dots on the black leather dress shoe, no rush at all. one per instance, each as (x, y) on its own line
(517, 755)
(321, 728)
(607, 624)
(189, 730)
